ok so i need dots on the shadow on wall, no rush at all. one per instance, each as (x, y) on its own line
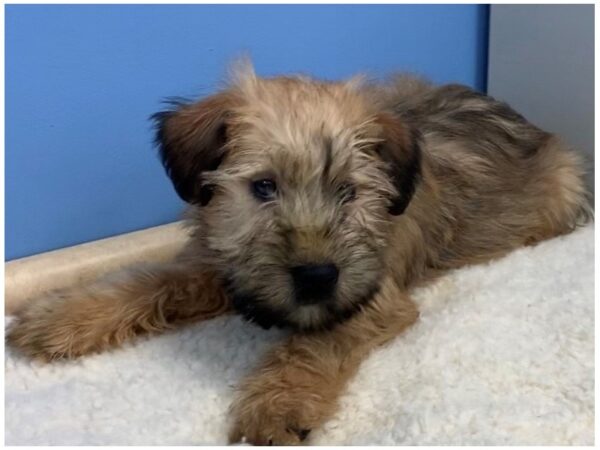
(542, 63)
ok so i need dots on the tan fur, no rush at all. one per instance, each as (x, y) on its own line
(440, 177)
(94, 318)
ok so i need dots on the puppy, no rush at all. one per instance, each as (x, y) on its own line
(316, 206)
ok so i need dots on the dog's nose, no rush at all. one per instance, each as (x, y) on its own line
(314, 282)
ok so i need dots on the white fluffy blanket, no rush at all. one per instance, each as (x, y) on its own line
(503, 354)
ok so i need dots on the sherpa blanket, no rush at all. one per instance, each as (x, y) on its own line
(503, 353)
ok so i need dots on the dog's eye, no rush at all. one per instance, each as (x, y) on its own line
(347, 192)
(264, 189)
(206, 194)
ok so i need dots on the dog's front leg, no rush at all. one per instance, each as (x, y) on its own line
(93, 318)
(296, 389)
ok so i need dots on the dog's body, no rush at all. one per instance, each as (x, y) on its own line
(317, 206)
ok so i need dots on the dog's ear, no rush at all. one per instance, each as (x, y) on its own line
(191, 138)
(400, 150)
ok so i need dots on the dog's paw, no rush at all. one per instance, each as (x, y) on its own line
(40, 331)
(269, 421)
(55, 327)
(267, 436)
(281, 407)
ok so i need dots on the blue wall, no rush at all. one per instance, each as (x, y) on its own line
(81, 82)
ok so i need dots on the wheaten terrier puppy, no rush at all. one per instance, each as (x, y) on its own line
(317, 205)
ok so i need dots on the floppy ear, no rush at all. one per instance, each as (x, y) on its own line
(401, 151)
(191, 140)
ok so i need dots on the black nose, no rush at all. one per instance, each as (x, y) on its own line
(315, 282)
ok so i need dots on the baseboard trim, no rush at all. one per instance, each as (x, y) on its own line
(33, 276)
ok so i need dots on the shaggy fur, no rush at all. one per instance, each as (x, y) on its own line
(390, 184)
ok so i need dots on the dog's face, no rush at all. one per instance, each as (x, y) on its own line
(294, 184)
